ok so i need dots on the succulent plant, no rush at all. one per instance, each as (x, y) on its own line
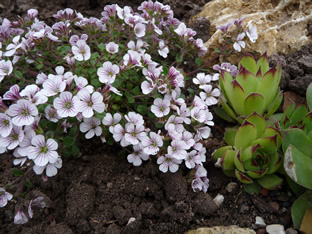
(251, 154)
(254, 89)
(297, 147)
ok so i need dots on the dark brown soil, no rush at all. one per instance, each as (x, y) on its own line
(100, 192)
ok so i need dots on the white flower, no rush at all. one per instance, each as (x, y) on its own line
(108, 72)
(81, 50)
(252, 33)
(136, 157)
(51, 168)
(168, 162)
(139, 30)
(51, 114)
(52, 87)
(23, 112)
(160, 107)
(134, 133)
(210, 95)
(202, 79)
(89, 103)
(13, 139)
(112, 48)
(91, 126)
(20, 155)
(82, 83)
(66, 105)
(34, 95)
(198, 114)
(174, 124)
(5, 125)
(181, 30)
(20, 217)
(111, 121)
(12, 47)
(151, 144)
(42, 152)
(177, 149)
(134, 118)
(163, 50)
(239, 44)
(4, 197)
(119, 135)
(6, 68)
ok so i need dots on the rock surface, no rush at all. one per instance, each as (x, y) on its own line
(283, 25)
(222, 229)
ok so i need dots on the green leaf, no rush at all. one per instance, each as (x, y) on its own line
(142, 109)
(217, 50)
(159, 125)
(247, 80)
(245, 135)
(299, 207)
(219, 152)
(136, 90)
(263, 63)
(198, 62)
(254, 102)
(229, 135)
(272, 108)
(298, 139)
(271, 182)
(258, 121)
(309, 96)
(73, 131)
(68, 141)
(227, 160)
(252, 188)
(17, 172)
(298, 166)
(102, 46)
(28, 184)
(223, 114)
(299, 113)
(237, 96)
(95, 82)
(249, 63)
(191, 91)
(75, 150)
(39, 66)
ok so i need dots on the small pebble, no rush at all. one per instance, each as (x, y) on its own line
(243, 209)
(275, 229)
(274, 205)
(109, 185)
(231, 187)
(291, 231)
(264, 192)
(218, 200)
(132, 219)
(260, 222)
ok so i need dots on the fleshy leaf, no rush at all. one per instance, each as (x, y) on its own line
(227, 108)
(229, 135)
(223, 114)
(237, 96)
(299, 113)
(225, 83)
(275, 163)
(269, 144)
(309, 96)
(227, 161)
(299, 207)
(299, 139)
(247, 80)
(243, 178)
(258, 121)
(271, 182)
(263, 63)
(219, 152)
(257, 174)
(249, 62)
(272, 108)
(298, 166)
(267, 86)
(254, 102)
(245, 135)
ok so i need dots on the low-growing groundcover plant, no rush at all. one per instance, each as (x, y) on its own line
(120, 77)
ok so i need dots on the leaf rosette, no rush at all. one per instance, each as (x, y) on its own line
(251, 154)
(254, 89)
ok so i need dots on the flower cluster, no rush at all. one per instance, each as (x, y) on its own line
(110, 81)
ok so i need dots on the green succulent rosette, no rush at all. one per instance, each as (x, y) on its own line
(252, 153)
(254, 89)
